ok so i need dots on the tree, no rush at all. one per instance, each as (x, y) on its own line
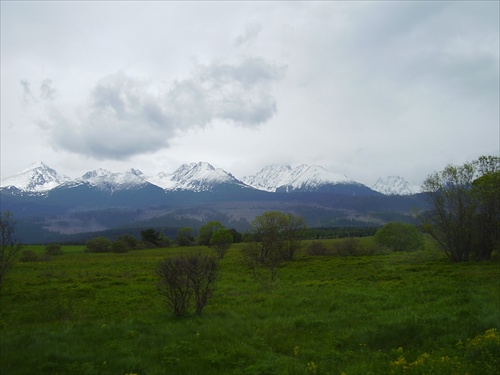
(187, 282)
(276, 238)
(487, 220)
(151, 236)
(10, 245)
(237, 236)
(399, 237)
(221, 241)
(184, 237)
(460, 198)
(206, 231)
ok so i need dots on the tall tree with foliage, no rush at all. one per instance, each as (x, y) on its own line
(10, 246)
(464, 205)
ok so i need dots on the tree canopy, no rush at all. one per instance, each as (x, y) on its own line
(464, 219)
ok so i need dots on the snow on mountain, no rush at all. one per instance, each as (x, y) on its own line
(199, 176)
(38, 177)
(111, 181)
(303, 177)
(394, 185)
(271, 177)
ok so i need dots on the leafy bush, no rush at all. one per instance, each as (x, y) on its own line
(187, 282)
(98, 245)
(53, 250)
(399, 237)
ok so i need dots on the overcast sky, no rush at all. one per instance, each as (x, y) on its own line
(367, 89)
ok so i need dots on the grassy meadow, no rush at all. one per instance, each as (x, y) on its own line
(395, 313)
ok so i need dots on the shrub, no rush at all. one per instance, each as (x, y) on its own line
(399, 237)
(129, 241)
(53, 250)
(119, 246)
(221, 241)
(98, 245)
(348, 247)
(185, 237)
(318, 248)
(187, 282)
(29, 256)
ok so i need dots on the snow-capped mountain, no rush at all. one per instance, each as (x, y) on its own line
(36, 178)
(302, 178)
(110, 181)
(394, 185)
(196, 177)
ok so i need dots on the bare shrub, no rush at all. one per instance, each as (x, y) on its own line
(53, 250)
(318, 248)
(348, 247)
(184, 277)
(31, 256)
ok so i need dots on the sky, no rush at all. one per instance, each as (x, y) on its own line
(366, 89)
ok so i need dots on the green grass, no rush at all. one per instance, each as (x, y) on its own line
(401, 313)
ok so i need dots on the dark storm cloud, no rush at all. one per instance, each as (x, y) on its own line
(124, 117)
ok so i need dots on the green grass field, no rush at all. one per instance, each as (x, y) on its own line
(400, 313)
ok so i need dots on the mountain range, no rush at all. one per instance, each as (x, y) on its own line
(49, 206)
(202, 176)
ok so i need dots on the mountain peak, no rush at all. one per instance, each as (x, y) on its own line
(38, 177)
(285, 178)
(394, 185)
(110, 181)
(200, 176)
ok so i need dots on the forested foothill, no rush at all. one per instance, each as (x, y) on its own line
(280, 298)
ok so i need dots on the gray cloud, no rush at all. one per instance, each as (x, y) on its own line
(28, 96)
(251, 32)
(47, 92)
(122, 116)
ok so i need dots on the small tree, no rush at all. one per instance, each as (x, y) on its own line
(151, 236)
(185, 237)
(206, 232)
(221, 241)
(399, 237)
(10, 246)
(184, 277)
(276, 237)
